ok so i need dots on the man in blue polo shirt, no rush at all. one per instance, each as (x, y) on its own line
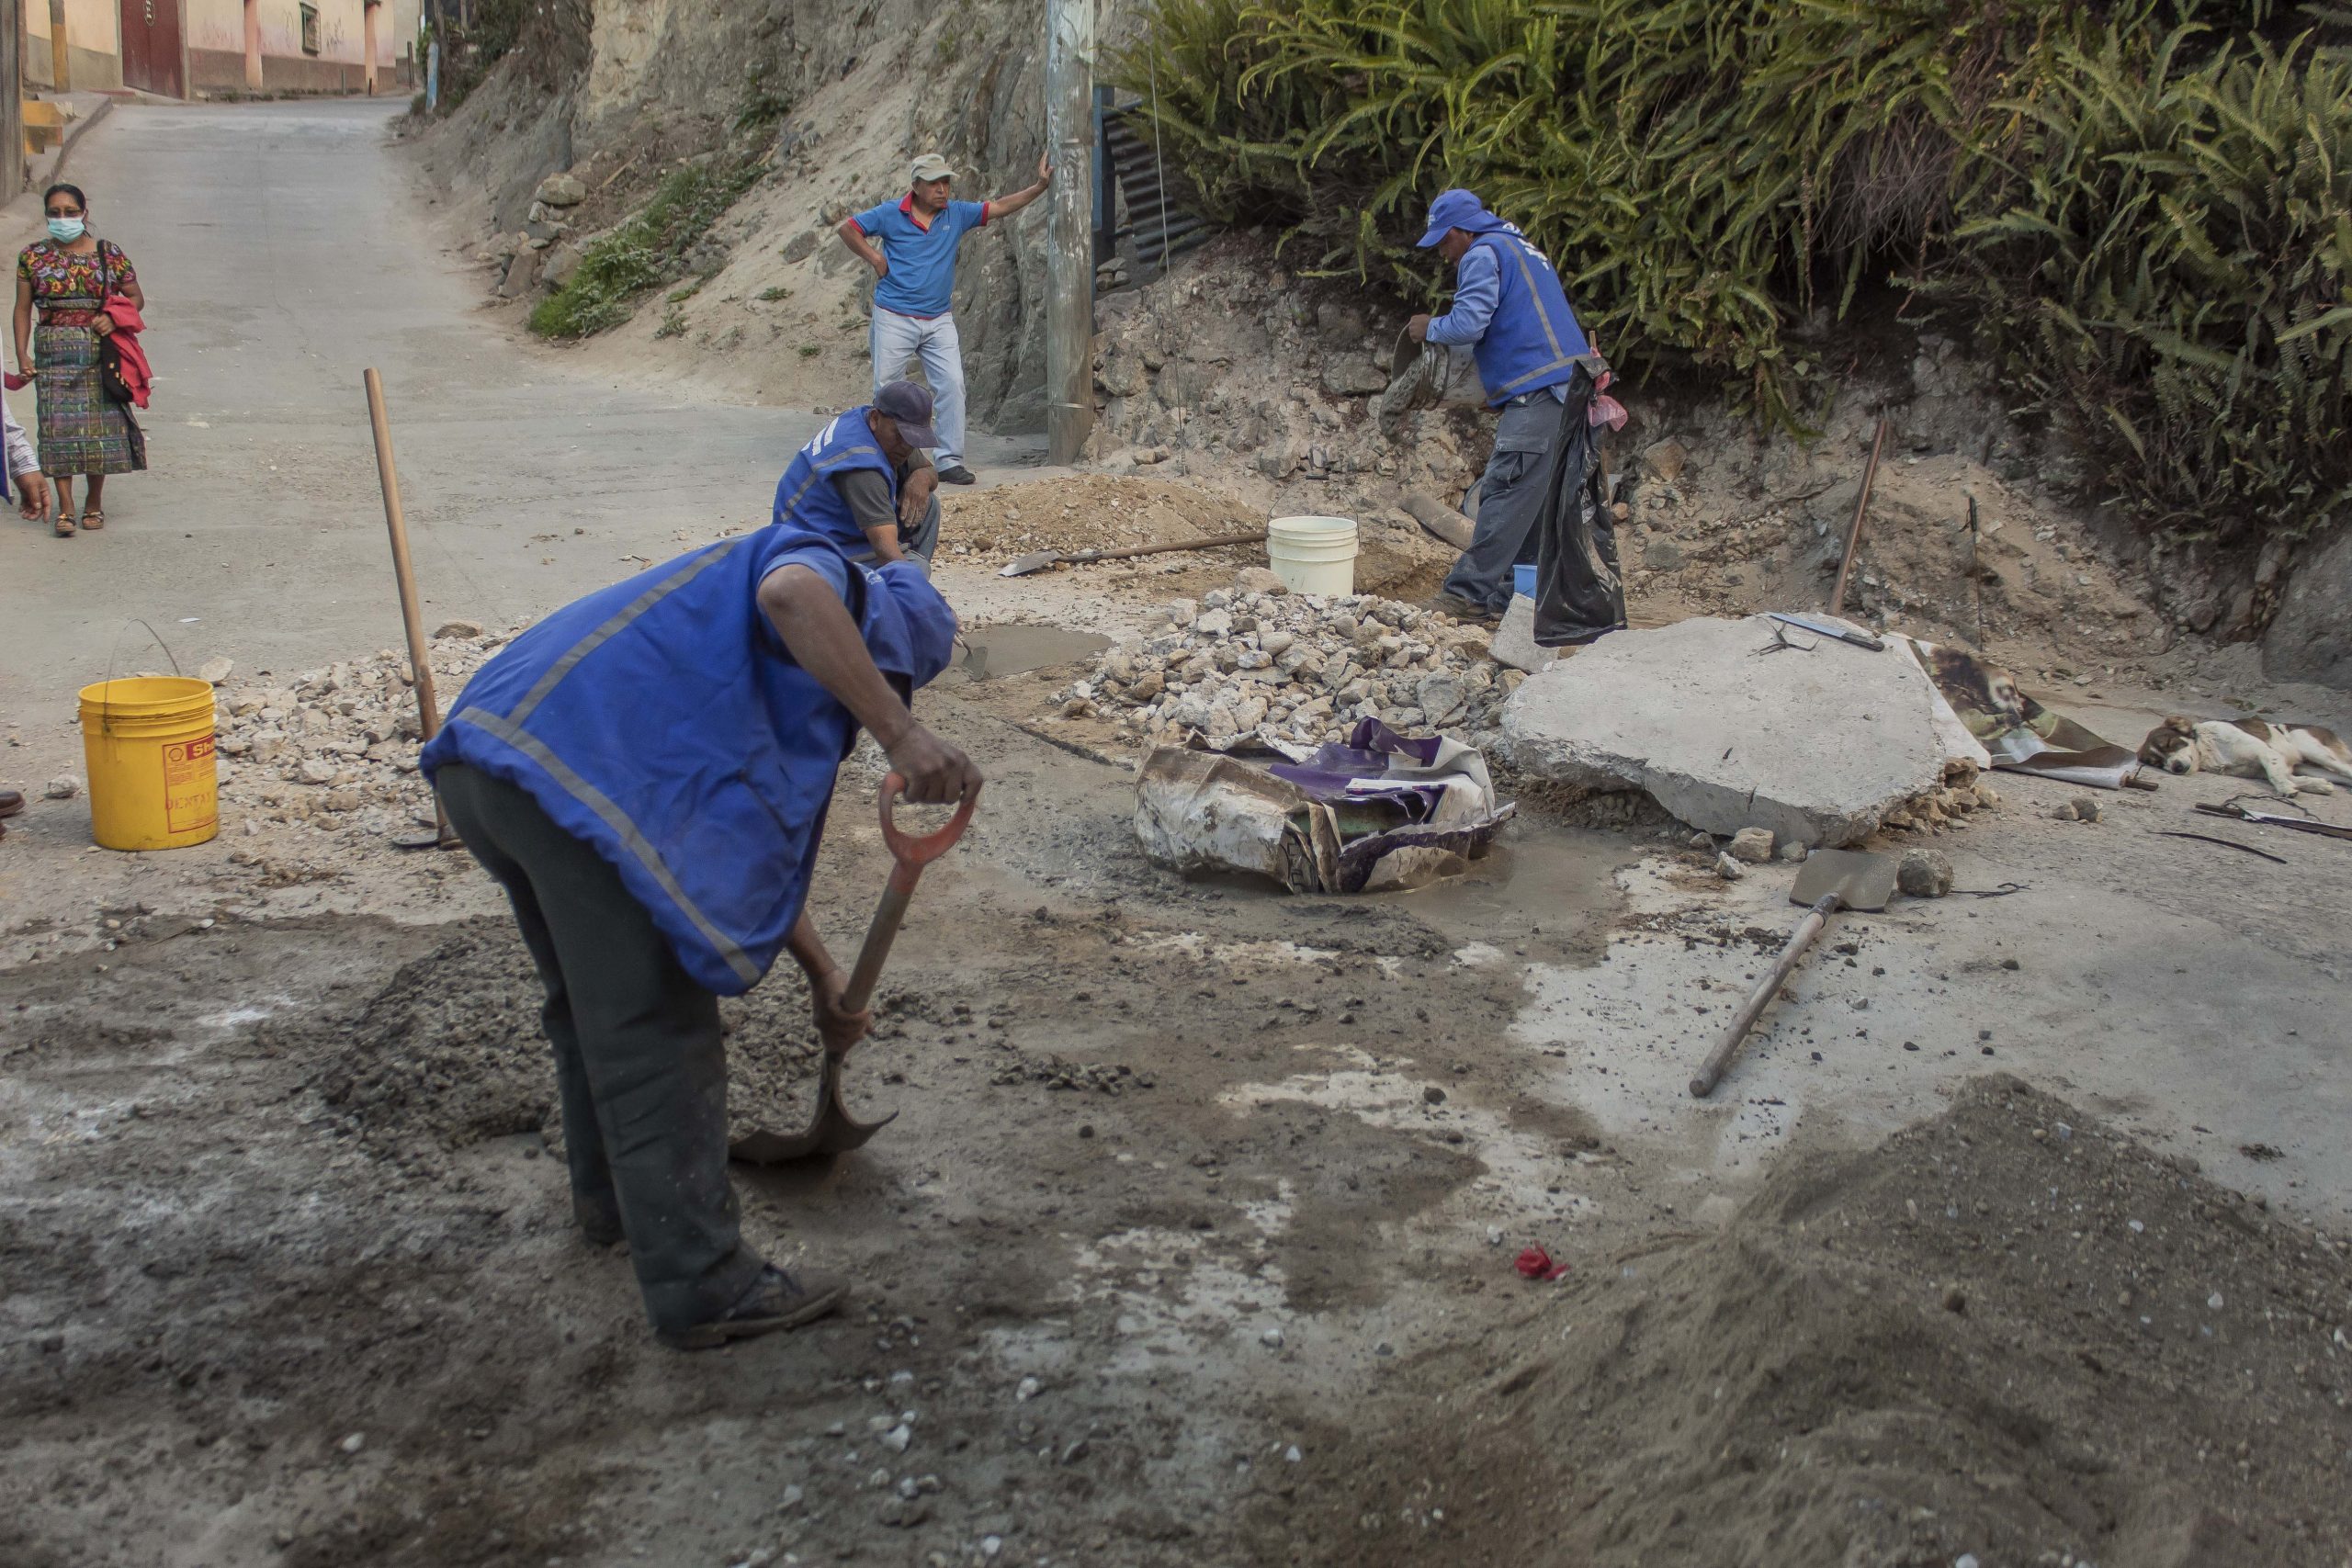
(910, 243)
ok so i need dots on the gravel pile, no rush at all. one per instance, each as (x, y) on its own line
(335, 748)
(1300, 668)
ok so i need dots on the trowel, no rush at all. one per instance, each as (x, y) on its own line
(1038, 560)
(1831, 880)
(836, 1129)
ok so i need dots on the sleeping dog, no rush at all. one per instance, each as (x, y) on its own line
(2248, 746)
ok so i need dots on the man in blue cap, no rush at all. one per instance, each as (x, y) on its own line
(864, 483)
(1509, 308)
(647, 774)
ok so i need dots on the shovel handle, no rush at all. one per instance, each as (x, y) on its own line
(909, 853)
(1711, 1071)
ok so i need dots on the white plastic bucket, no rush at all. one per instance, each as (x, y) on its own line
(1314, 555)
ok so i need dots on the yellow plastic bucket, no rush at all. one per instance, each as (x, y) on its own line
(148, 741)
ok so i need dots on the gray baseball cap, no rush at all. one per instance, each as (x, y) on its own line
(908, 405)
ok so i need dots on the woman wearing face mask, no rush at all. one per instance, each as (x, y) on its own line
(69, 276)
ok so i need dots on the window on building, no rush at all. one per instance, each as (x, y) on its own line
(309, 30)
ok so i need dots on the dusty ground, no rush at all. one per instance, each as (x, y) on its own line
(1237, 1178)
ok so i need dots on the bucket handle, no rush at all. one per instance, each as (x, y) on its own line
(114, 656)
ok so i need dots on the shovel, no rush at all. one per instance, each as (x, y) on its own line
(1038, 560)
(835, 1131)
(1831, 880)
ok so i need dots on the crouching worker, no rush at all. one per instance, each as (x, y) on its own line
(647, 772)
(863, 482)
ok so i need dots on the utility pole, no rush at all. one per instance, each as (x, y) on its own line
(61, 75)
(12, 98)
(1069, 228)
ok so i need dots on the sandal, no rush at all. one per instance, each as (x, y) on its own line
(64, 525)
(93, 520)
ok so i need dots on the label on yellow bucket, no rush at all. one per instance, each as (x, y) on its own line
(190, 802)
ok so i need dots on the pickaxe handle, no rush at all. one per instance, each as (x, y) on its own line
(1711, 1071)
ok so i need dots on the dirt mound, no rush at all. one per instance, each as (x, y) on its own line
(449, 1052)
(2004, 1332)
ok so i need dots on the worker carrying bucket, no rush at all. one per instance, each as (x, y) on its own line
(647, 772)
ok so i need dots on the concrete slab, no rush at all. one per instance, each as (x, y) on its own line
(1816, 745)
(1514, 641)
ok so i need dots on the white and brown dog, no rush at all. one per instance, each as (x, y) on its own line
(2249, 749)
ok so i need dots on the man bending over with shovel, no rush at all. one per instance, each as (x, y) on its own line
(647, 772)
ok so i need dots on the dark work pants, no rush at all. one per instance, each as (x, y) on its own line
(639, 1060)
(1511, 500)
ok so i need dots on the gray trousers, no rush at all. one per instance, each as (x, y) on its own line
(1511, 498)
(639, 1065)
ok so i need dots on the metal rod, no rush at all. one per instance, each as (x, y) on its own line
(1069, 228)
(1854, 535)
(428, 709)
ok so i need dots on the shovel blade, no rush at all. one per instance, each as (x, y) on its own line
(833, 1132)
(1859, 879)
(1035, 560)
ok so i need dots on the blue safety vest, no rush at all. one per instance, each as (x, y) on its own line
(661, 722)
(806, 498)
(1532, 340)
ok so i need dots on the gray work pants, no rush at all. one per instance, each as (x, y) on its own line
(640, 1066)
(1511, 498)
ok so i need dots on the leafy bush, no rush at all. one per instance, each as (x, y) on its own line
(644, 252)
(2165, 267)
(1709, 174)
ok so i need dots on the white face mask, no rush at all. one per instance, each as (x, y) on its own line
(65, 231)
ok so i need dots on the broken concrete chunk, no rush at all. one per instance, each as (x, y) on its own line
(1796, 854)
(2087, 808)
(1259, 579)
(1818, 748)
(1664, 460)
(1924, 873)
(1729, 869)
(1514, 640)
(64, 786)
(560, 190)
(1753, 845)
(458, 628)
(214, 670)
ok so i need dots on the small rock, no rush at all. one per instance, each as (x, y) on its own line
(899, 1513)
(354, 1443)
(1924, 873)
(1292, 1454)
(1433, 1096)
(792, 1498)
(1796, 854)
(898, 1439)
(991, 1545)
(1753, 845)
(1259, 579)
(1701, 841)
(458, 628)
(560, 190)
(2065, 812)
(214, 670)
(1272, 1339)
(64, 786)
(316, 771)
(1664, 460)
(2087, 810)
(1729, 869)
(1028, 1390)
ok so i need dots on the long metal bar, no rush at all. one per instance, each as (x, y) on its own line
(1854, 535)
(1069, 228)
(429, 707)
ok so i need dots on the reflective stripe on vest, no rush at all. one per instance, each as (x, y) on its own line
(1532, 340)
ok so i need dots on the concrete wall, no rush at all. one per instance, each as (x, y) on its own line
(93, 44)
(216, 46)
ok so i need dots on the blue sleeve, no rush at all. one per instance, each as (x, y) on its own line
(1477, 290)
(873, 218)
(967, 215)
(821, 559)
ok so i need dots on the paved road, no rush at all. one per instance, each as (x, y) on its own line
(283, 250)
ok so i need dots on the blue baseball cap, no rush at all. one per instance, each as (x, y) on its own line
(910, 405)
(1457, 209)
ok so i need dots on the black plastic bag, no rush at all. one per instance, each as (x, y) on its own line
(1579, 592)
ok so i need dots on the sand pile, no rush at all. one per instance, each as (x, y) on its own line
(1294, 667)
(2004, 1336)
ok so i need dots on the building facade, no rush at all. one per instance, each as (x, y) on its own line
(192, 48)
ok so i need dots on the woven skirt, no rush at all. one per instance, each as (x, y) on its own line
(82, 431)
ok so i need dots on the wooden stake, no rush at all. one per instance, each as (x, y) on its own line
(1854, 535)
(428, 709)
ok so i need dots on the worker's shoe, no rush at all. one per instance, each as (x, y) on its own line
(778, 1299)
(958, 475)
(11, 801)
(1461, 609)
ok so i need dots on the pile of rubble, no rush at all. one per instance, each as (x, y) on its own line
(334, 748)
(1297, 668)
